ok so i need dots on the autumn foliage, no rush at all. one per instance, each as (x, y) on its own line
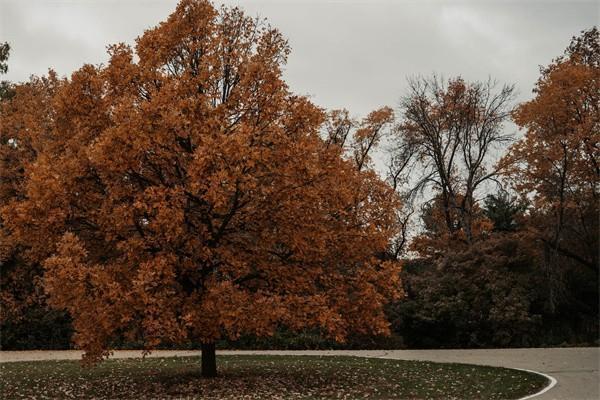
(26, 113)
(181, 192)
(557, 164)
(558, 159)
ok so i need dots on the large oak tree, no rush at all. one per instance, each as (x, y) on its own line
(183, 193)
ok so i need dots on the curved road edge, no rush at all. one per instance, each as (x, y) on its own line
(576, 369)
(552, 383)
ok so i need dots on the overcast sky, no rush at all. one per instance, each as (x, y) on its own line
(352, 54)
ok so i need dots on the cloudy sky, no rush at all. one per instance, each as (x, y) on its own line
(353, 54)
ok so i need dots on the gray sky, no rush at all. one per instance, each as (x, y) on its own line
(353, 54)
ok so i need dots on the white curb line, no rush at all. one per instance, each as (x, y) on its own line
(385, 356)
(552, 380)
(552, 383)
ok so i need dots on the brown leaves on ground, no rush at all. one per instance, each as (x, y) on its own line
(266, 377)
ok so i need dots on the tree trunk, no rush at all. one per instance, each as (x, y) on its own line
(209, 360)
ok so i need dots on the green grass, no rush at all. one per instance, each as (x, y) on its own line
(264, 377)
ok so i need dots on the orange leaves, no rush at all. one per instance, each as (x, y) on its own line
(155, 288)
(556, 163)
(67, 270)
(159, 213)
(562, 122)
(197, 200)
(369, 134)
(186, 32)
(372, 125)
(359, 139)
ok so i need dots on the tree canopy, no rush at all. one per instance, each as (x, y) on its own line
(557, 162)
(183, 192)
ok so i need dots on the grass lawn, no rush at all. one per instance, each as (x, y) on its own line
(264, 377)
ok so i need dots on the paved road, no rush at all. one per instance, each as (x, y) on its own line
(575, 369)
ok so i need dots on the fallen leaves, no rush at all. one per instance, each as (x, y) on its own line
(265, 377)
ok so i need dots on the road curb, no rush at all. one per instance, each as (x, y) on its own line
(552, 383)
(551, 379)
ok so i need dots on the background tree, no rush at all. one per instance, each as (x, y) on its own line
(480, 296)
(191, 197)
(504, 211)
(557, 162)
(538, 251)
(26, 322)
(447, 133)
(4, 53)
(5, 91)
(358, 140)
